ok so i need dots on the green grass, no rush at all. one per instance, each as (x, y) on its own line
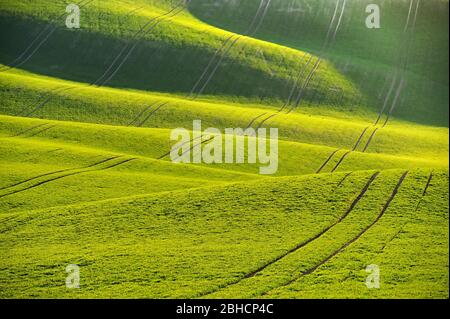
(366, 56)
(185, 243)
(83, 179)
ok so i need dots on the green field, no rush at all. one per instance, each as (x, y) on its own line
(86, 179)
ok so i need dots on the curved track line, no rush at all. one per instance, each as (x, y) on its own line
(151, 113)
(119, 67)
(249, 32)
(28, 130)
(58, 90)
(365, 230)
(46, 38)
(180, 146)
(303, 244)
(220, 50)
(360, 138)
(59, 171)
(341, 160)
(386, 99)
(47, 96)
(16, 62)
(320, 56)
(343, 180)
(288, 101)
(424, 193)
(327, 161)
(67, 175)
(370, 139)
(40, 131)
(136, 118)
(137, 36)
(394, 103)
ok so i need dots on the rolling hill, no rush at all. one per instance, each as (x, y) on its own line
(86, 116)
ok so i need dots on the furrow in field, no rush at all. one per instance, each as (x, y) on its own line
(365, 230)
(305, 243)
(67, 175)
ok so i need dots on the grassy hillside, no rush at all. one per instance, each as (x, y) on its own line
(192, 243)
(368, 57)
(86, 117)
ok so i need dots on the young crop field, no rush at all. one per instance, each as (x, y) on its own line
(223, 149)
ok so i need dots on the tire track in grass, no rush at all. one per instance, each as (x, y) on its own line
(249, 32)
(135, 36)
(370, 139)
(180, 146)
(261, 13)
(347, 244)
(300, 74)
(67, 175)
(28, 130)
(327, 161)
(151, 113)
(136, 118)
(344, 156)
(305, 243)
(166, 16)
(211, 61)
(344, 179)
(219, 50)
(327, 44)
(341, 160)
(50, 94)
(45, 129)
(22, 58)
(360, 138)
(288, 101)
(424, 193)
(40, 97)
(402, 81)
(220, 54)
(60, 171)
(400, 86)
(386, 99)
(309, 77)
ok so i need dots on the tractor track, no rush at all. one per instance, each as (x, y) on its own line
(400, 85)
(310, 75)
(135, 36)
(424, 193)
(347, 244)
(67, 175)
(60, 171)
(341, 160)
(220, 54)
(45, 129)
(360, 138)
(305, 243)
(23, 57)
(288, 101)
(28, 130)
(48, 96)
(344, 179)
(151, 113)
(249, 32)
(133, 48)
(370, 139)
(327, 161)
